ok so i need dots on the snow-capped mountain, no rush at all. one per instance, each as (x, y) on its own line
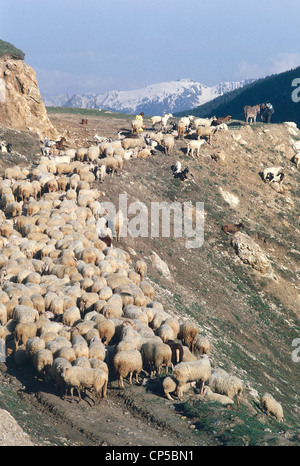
(173, 96)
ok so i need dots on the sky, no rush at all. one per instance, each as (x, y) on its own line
(95, 46)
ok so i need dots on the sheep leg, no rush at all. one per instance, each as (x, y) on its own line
(238, 400)
(121, 384)
(104, 389)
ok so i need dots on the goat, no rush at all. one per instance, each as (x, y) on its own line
(177, 351)
(220, 120)
(273, 174)
(251, 112)
(60, 144)
(179, 173)
(232, 227)
(3, 147)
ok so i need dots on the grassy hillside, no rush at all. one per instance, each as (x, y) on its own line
(250, 319)
(276, 88)
(7, 49)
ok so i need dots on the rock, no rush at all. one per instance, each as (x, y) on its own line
(22, 107)
(11, 433)
(160, 265)
(250, 253)
(280, 147)
(231, 199)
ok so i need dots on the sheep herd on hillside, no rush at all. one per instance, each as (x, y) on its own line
(75, 305)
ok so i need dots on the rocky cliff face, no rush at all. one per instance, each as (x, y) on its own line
(21, 105)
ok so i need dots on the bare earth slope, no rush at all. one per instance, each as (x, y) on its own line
(250, 319)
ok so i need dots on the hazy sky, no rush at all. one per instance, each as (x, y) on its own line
(81, 46)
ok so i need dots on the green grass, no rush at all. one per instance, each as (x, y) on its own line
(7, 49)
(89, 112)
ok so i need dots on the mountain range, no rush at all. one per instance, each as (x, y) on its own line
(172, 96)
(282, 90)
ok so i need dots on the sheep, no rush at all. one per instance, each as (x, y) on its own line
(136, 126)
(165, 332)
(186, 121)
(3, 314)
(225, 384)
(81, 362)
(42, 362)
(96, 349)
(202, 345)
(100, 172)
(132, 143)
(127, 363)
(111, 164)
(194, 145)
(270, 406)
(117, 224)
(25, 314)
(192, 371)
(13, 209)
(231, 228)
(55, 374)
(170, 384)
(85, 377)
(156, 354)
(141, 268)
(106, 329)
(209, 395)
(203, 122)
(32, 345)
(188, 333)
(71, 316)
(93, 153)
(66, 352)
(168, 143)
(205, 132)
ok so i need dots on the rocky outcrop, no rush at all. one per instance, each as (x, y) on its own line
(250, 253)
(21, 105)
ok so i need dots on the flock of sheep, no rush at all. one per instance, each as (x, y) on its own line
(74, 304)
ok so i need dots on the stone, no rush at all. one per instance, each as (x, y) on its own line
(160, 265)
(250, 253)
(21, 106)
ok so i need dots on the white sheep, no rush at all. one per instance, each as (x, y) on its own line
(85, 377)
(225, 384)
(203, 122)
(42, 362)
(156, 354)
(133, 143)
(168, 143)
(169, 386)
(141, 268)
(209, 395)
(193, 371)
(127, 363)
(188, 333)
(205, 132)
(269, 405)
